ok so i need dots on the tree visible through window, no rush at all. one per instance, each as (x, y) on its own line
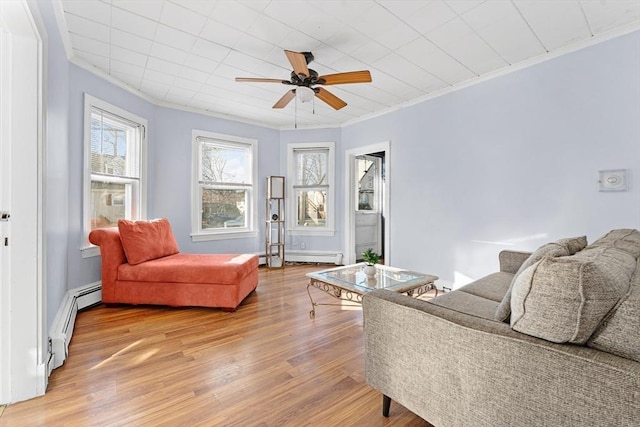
(114, 141)
(311, 188)
(115, 169)
(225, 179)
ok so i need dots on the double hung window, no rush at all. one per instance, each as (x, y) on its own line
(311, 188)
(115, 158)
(224, 176)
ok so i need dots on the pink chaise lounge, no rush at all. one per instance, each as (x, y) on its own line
(141, 264)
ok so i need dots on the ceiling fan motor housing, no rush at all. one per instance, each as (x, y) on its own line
(302, 80)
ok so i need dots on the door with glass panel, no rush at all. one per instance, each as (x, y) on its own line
(368, 213)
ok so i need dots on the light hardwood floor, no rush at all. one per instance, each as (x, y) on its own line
(267, 364)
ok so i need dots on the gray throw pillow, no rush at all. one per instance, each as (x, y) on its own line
(619, 333)
(625, 239)
(564, 299)
(562, 247)
(574, 244)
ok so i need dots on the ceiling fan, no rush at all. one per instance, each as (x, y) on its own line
(307, 79)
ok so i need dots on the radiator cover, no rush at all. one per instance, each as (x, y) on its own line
(62, 327)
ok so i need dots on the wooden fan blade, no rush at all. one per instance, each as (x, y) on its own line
(286, 98)
(298, 62)
(363, 76)
(330, 98)
(259, 80)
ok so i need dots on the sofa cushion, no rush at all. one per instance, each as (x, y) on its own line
(564, 299)
(563, 247)
(491, 287)
(221, 269)
(146, 240)
(464, 302)
(619, 333)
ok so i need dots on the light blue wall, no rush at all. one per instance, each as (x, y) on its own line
(56, 189)
(513, 162)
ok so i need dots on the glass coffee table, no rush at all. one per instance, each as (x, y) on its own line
(349, 283)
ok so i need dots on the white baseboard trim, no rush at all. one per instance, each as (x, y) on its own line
(321, 257)
(50, 362)
(326, 257)
(62, 327)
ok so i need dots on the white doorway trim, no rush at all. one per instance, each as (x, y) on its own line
(350, 198)
(23, 338)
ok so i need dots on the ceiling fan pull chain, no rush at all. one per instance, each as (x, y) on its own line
(295, 115)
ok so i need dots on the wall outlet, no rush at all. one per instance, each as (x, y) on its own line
(302, 245)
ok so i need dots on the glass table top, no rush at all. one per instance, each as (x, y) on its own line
(353, 278)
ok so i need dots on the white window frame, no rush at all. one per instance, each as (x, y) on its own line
(90, 102)
(292, 224)
(198, 234)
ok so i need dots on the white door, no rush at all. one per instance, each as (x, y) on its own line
(368, 210)
(23, 337)
(4, 228)
(367, 217)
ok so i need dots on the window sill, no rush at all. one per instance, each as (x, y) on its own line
(203, 237)
(90, 251)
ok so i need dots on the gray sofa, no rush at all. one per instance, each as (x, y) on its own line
(552, 339)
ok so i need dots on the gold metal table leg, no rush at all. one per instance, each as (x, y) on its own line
(312, 313)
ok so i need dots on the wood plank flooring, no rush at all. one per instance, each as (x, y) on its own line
(267, 364)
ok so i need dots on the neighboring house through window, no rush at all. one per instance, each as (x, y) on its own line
(114, 182)
(224, 179)
(311, 188)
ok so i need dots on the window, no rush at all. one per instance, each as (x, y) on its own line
(311, 190)
(224, 176)
(368, 171)
(114, 158)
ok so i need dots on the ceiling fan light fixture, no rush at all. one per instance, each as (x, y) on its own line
(304, 94)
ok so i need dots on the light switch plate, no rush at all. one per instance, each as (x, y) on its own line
(613, 180)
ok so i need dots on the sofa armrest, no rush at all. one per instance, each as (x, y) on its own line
(112, 254)
(452, 368)
(510, 261)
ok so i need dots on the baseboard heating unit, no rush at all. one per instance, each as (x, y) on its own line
(62, 327)
(320, 257)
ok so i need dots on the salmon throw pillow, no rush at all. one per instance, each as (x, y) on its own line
(146, 240)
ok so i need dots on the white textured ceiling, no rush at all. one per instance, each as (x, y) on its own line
(186, 53)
